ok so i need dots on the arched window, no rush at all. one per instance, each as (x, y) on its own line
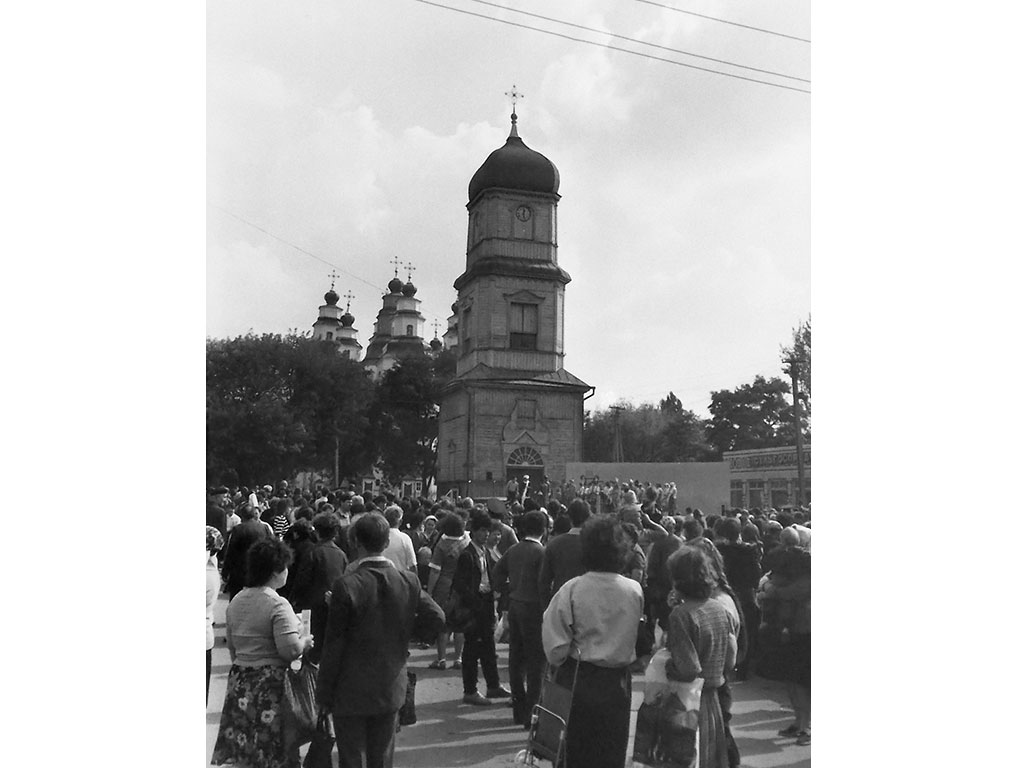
(525, 457)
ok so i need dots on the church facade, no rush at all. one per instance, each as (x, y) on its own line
(512, 408)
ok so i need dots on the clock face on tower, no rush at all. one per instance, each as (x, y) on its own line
(523, 213)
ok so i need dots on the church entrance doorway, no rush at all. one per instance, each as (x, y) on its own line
(525, 461)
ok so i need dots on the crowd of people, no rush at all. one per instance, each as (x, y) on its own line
(584, 580)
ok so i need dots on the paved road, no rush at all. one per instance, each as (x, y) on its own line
(450, 734)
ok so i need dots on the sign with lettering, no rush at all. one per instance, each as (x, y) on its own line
(768, 460)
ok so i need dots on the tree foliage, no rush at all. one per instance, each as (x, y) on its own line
(756, 415)
(663, 433)
(404, 415)
(801, 350)
(276, 405)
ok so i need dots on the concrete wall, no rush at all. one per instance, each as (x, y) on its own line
(704, 485)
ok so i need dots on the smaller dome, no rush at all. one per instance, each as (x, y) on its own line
(455, 307)
(409, 289)
(331, 297)
(347, 320)
(395, 286)
(435, 344)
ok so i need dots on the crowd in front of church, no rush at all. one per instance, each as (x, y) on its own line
(583, 580)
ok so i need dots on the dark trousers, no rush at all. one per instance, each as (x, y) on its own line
(479, 647)
(209, 668)
(725, 702)
(317, 628)
(599, 715)
(369, 735)
(525, 657)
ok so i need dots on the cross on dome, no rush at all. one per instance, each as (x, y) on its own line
(333, 276)
(515, 96)
(397, 263)
(348, 300)
(409, 270)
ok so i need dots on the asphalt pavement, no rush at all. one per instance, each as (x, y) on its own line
(450, 734)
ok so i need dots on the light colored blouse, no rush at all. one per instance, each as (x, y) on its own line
(212, 590)
(594, 618)
(262, 629)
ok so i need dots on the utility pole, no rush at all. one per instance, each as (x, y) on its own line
(617, 440)
(337, 479)
(794, 377)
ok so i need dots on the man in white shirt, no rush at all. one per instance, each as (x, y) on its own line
(399, 549)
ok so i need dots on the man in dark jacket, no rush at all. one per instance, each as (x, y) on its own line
(324, 565)
(563, 555)
(515, 576)
(363, 677)
(743, 570)
(217, 501)
(242, 537)
(473, 584)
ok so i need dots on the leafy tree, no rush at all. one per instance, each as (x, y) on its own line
(332, 395)
(404, 415)
(800, 349)
(251, 430)
(276, 404)
(756, 415)
(671, 404)
(666, 432)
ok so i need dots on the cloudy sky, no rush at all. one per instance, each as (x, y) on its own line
(351, 130)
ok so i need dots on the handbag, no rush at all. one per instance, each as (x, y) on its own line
(319, 754)
(407, 713)
(300, 708)
(644, 638)
(667, 721)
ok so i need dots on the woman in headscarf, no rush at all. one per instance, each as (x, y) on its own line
(702, 635)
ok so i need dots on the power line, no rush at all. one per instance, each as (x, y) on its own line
(298, 248)
(640, 42)
(724, 21)
(613, 47)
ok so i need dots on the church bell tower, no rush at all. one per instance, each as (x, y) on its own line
(512, 409)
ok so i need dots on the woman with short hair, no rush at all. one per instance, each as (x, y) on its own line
(589, 633)
(702, 640)
(264, 636)
(439, 583)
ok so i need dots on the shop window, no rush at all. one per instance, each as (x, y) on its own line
(736, 493)
(779, 490)
(755, 491)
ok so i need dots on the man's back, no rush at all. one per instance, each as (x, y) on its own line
(521, 567)
(563, 560)
(362, 668)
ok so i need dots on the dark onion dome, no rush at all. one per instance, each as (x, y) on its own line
(331, 297)
(455, 307)
(515, 166)
(347, 320)
(409, 289)
(395, 286)
(435, 344)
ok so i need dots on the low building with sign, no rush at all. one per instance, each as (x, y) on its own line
(767, 477)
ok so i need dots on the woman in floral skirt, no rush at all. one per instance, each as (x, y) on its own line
(264, 636)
